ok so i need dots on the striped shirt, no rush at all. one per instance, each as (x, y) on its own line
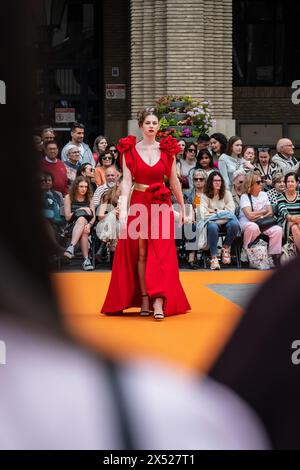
(286, 207)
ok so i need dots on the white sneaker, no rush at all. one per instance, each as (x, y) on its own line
(244, 256)
(87, 265)
(69, 253)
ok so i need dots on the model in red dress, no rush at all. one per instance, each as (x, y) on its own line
(145, 268)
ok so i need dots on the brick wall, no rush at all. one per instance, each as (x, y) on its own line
(264, 104)
(182, 48)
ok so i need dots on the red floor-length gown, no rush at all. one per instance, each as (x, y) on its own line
(162, 275)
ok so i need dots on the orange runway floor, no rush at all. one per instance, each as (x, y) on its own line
(193, 340)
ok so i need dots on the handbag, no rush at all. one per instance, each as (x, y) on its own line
(266, 222)
(81, 213)
(288, 252)
(258, 256)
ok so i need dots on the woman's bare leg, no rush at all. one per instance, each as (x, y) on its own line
(77, 230)
(84, 244)
(141, 272)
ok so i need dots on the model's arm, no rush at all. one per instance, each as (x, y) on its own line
(125, 191)
(176, 188)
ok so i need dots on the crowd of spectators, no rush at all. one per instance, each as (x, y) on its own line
(228, 188)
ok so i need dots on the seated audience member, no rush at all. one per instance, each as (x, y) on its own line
(248, 154)
(88, 172)
(231, 161)
(112, 177)
(218, 144)
(47, 135)
(254, 205)
(289, 209)
(204, 162)
(182, 145)
(53, 210)
(217, 207)
(104, 162)
(77, 136)
(72, 163)
(237, 188)
(203, 142)
(99, 147)
(185, 164)
(264, 165)
(284, 158)
(53, 202)
(51, 164)
(193, 198)
(112, 149)
(107, 228)
(79, 211)
(278, 187)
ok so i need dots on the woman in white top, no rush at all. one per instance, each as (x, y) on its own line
(186, 163)
(216, 199)
(255, 204)
(231, 161)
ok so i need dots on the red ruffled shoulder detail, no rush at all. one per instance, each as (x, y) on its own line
(125, 147)
(126, 143)
(170, 146)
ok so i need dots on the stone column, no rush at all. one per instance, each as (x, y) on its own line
(182, 48)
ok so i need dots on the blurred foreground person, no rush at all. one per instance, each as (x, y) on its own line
(261, 362)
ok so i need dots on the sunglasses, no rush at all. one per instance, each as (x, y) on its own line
(199, 179)
(106, 158)
(192, 150)
(114, 150)
(263, 149)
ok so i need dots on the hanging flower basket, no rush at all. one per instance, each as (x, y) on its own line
(194, 119)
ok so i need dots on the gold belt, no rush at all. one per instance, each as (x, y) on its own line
(140, 186)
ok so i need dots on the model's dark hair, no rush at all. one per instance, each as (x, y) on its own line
(200, 155)
(209, 188)
(222, 139)
(143, 113)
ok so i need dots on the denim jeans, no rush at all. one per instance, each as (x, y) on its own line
(232, 229)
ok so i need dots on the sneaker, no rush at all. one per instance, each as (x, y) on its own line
(244, 256)
(69, 253)
(214, 264)
(87, 265)
(226, 258)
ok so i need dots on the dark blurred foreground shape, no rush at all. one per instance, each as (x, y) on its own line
(257, 361)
